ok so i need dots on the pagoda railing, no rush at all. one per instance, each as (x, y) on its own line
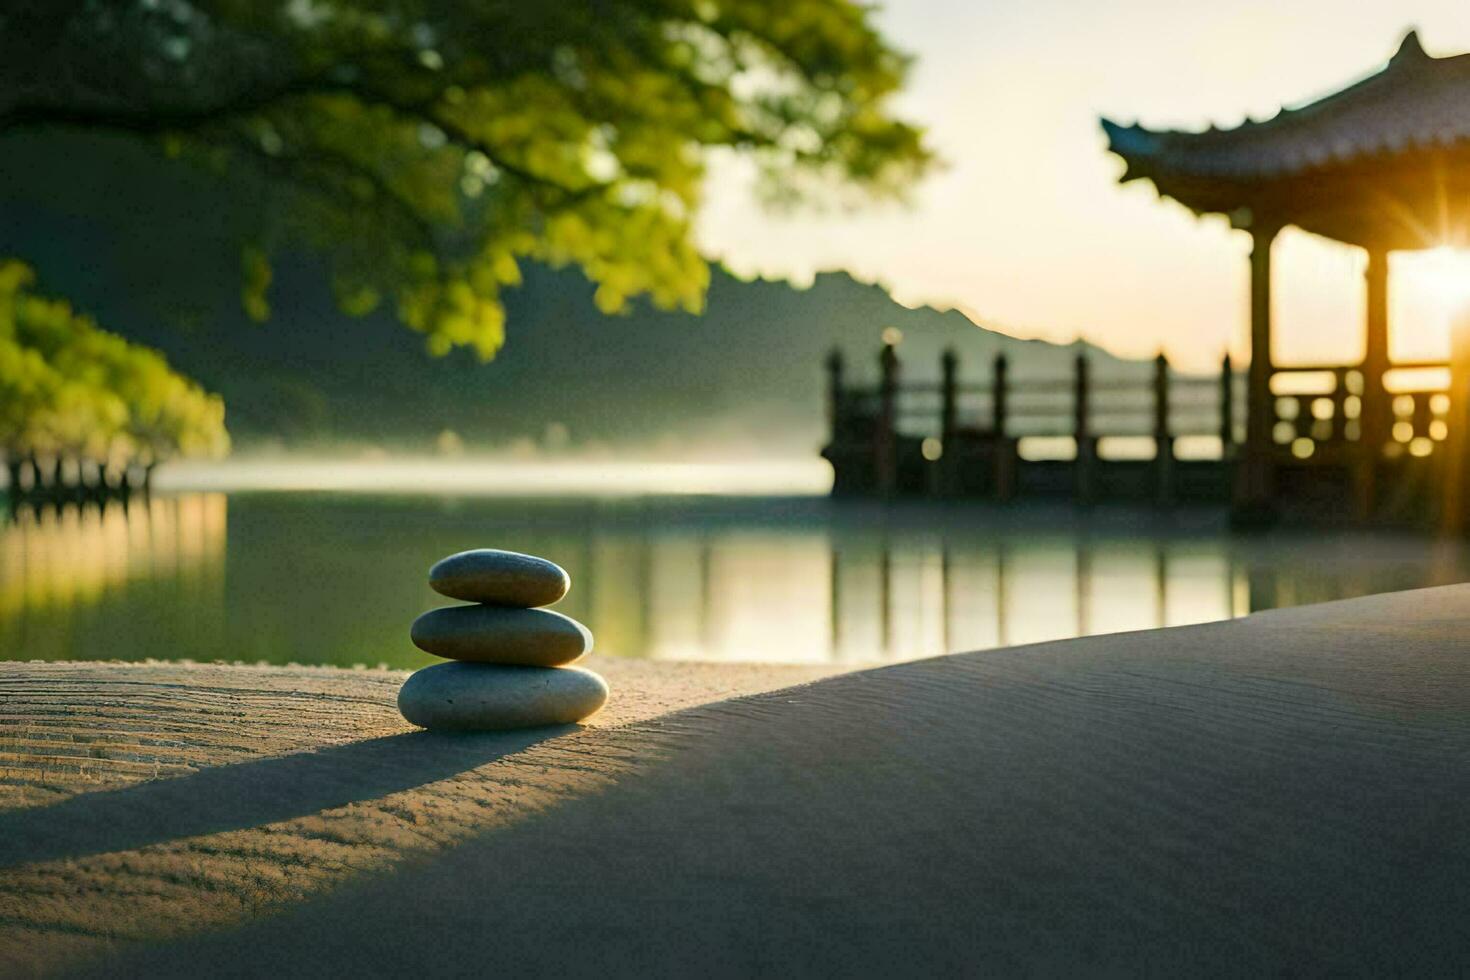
(1327, 410)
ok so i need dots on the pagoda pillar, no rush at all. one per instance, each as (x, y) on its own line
(1455, 500)
(1374, 415)
(1254, 490)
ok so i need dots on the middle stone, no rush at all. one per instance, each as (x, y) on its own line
(501, 635)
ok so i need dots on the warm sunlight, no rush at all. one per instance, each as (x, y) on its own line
(799, 487)
(1429, 291)
(1444, 276)
(1027, 202)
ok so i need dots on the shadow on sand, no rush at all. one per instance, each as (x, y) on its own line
(249, 794)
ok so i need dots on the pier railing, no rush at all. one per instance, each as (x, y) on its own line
(1165, 404)
(1333, 443)
(963, 436)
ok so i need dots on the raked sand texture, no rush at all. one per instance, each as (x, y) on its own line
(147, 801)
(1283, 793)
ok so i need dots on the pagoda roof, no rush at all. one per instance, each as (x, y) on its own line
(1361, 164)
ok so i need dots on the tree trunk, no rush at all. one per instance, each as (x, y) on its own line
(91, 479)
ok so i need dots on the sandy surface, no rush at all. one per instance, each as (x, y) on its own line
(290, 780)
(1285, 793)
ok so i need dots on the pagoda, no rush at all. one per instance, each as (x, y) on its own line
(1383, 164)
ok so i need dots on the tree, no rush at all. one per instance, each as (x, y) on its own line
(70, 389)
(28, 388)
(429, 147)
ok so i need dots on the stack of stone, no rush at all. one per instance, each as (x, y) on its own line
(508, 657)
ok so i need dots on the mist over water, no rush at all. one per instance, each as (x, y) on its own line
(336, 577)
(508, 476)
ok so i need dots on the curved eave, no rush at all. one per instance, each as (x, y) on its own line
(1139, 149)
(1409, 198)
(1410, 117)
(1134, 145)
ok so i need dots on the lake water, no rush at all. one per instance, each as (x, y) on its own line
(336, 578)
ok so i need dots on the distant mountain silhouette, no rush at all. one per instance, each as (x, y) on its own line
(159, 264)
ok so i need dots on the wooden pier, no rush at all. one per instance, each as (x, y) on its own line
(1165, 439)
(61, 481)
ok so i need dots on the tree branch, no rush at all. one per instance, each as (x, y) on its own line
(160, 121)
(294, 168)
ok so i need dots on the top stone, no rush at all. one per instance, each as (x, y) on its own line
(501, 578)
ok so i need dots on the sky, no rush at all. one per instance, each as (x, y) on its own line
(1027, 229)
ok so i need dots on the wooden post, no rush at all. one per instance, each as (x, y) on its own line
(834, 393)
(1455, 498)
(1081, 433)
(1163, 441)
(1227, 409)
(998, 396)
(1253, 497)
(1339, 405)
(944, 473)
(1002, 449)
(885, 457)
(949, 364)
(1373, 419)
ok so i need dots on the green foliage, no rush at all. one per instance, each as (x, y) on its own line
(69, 388)
(428, 148)
(255, 282)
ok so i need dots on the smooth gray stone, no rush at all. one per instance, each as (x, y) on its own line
(501, 635)
(503, 578)
(488, 697)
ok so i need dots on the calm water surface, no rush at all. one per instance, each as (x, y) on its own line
(336, 578)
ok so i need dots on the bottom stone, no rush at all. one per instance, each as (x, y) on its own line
(458, 696)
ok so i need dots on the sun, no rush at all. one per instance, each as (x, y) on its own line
(1444, 276)
(1430, 302)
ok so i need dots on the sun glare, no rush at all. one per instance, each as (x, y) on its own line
(1444, 275)
(1429, 293)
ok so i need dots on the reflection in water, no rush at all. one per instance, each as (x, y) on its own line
(57, 558)
(315, 578)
